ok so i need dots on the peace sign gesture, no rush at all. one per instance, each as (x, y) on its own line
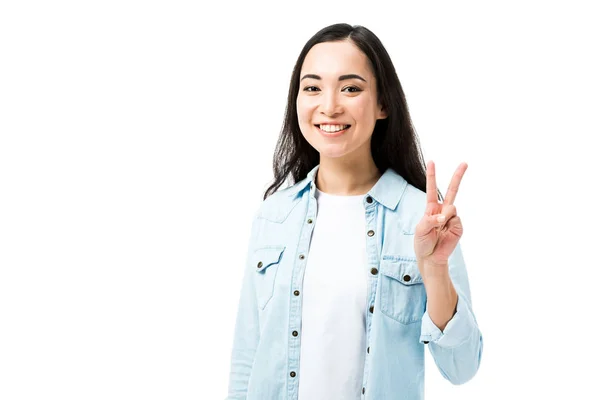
(438, 232)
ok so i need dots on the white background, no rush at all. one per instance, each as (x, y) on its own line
(137, 140)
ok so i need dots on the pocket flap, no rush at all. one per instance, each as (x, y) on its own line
(267, 256)
(404, 271)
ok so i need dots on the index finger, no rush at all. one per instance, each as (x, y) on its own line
(454, 183)
(431, 186)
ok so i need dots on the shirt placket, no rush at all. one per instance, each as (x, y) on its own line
(295, 311)
(371, 237)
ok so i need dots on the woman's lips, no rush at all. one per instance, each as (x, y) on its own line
(332, 134)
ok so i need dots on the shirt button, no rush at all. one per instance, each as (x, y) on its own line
(302, 256)
(370, 233)
(406, 278)
(309, 221)
(363, 390)
(368, 348)
(260, 264)
(371, 309)
(374, 271)
(292, 374)
(296, 293)
(295, 333)
(369, 199)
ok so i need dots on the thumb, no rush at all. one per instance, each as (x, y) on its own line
(430, 222)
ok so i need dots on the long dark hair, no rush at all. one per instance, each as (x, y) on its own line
(394, 143)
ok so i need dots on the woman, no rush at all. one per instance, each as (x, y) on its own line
(356, 266)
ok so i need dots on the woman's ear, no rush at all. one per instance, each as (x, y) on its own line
(382, 113)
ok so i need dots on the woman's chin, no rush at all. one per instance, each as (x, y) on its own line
(332, 152)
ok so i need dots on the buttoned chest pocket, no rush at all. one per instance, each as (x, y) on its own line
(266, 261)
(403, 295)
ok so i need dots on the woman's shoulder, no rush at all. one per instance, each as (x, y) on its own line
(278, 205)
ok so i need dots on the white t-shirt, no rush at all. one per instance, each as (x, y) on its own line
(334, 302)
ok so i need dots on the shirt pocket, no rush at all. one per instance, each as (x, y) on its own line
(266, 261)
(403, 296)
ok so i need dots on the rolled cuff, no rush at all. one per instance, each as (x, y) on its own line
(458, 330)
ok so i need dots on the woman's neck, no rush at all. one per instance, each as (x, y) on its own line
(338, 177)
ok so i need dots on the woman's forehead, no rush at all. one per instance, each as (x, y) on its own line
(329, 60)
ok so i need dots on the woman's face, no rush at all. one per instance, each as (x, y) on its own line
(337, 87)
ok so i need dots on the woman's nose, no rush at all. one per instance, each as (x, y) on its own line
(330, 104)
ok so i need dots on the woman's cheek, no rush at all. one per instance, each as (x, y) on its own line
(303, 109)
(361, 105)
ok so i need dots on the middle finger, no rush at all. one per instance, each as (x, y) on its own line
(454, 183)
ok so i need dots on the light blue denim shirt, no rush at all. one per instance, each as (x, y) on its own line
(265, 359)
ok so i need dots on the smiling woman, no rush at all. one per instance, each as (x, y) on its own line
(329, 91)
(353, 269)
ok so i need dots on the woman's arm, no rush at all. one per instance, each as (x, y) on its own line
(457, 349)
(246, 333)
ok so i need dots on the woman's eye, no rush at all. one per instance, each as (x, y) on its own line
(353, 87)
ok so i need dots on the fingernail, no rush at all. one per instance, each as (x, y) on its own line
(441, 218)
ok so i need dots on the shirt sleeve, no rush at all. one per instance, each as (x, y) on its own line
(458, 330)
(456, 350)
(246, 333)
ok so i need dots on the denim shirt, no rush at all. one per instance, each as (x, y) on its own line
(265, 358)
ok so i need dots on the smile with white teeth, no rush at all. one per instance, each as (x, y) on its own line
(333, 128)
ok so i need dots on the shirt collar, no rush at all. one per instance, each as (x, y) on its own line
(388, 190)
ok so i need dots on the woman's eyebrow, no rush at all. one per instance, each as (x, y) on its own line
(341, 78)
